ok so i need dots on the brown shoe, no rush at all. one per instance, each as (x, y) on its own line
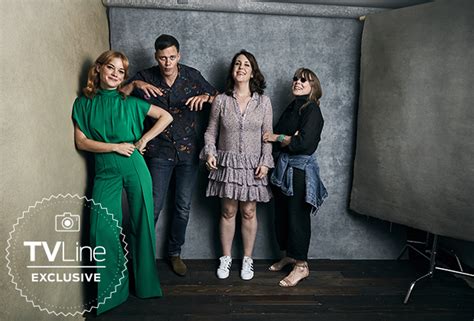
(278, 266)
(178, 265)
(299, 273)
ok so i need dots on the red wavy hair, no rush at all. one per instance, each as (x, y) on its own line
(93, 77)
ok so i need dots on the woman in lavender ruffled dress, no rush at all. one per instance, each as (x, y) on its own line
(237, 158)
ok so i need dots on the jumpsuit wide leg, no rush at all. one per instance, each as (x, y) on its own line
(113, 173)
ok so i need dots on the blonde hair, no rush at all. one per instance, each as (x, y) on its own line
(316, 91)
(93, 77)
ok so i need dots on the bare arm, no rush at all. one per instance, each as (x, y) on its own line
(163, 120)
(90, 145)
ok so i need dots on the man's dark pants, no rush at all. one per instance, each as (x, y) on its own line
(185, 177)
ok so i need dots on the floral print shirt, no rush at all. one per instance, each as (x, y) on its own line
(179, 138)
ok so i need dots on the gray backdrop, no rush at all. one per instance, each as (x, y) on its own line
(415, 141)
(281, 43)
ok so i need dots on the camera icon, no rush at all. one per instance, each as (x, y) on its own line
(67, 222)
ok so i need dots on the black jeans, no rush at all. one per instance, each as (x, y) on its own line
(293, 218)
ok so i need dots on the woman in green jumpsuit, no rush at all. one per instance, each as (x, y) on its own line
(111, 125)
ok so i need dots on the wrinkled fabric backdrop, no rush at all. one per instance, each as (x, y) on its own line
(414, 160)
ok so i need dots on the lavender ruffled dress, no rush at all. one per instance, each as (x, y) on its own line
(240, 149)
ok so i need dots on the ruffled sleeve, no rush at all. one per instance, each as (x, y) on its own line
(266, 158)
(210, 137)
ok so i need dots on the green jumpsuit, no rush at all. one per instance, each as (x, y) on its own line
(110, 118)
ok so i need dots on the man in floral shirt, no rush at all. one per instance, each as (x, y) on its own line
(182, 91)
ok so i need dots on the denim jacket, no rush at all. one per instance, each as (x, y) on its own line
(282, 177)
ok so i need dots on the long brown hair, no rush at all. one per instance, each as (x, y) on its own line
(257, 82)
(93, 77)
(316, 91)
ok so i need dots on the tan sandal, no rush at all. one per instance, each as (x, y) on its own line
(278, 266)
(300, 272)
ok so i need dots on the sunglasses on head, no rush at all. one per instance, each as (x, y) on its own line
(302, 79)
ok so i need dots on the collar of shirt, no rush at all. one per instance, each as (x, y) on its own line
(181, 76)
(254, 95)
(108, 92)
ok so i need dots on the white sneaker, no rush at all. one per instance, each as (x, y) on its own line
(247, 269)
(224, 267)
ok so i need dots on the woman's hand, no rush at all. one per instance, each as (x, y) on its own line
(261, 172)
(141, 145)
(124, 149)
(211, 163)
(269, 137)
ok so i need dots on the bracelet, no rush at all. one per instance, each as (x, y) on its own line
(280, 138)
(208, 97)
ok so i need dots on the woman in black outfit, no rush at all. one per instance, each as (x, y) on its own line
(297, 187)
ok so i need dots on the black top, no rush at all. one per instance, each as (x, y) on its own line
(179, 138)
(308, 123)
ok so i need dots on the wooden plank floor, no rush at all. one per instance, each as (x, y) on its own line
(335, 291)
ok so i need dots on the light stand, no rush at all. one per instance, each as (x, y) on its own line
(433, 264)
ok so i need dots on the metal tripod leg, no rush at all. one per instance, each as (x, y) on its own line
(432, 259)
(411, 244)
(412, 285)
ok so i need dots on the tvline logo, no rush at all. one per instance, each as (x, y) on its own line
(50, 261)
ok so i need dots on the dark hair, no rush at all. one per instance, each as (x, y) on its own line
(257, 82)
(166, 41)
(316, 91)
(93, 77)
